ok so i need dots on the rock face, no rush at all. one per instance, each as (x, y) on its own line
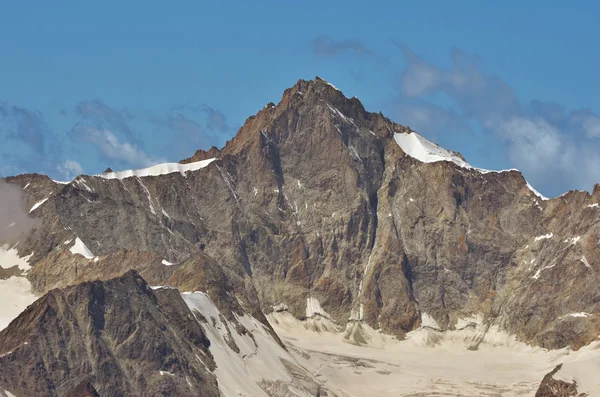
(323, 209)
(84, 389)
(551, 387)
(119, 336)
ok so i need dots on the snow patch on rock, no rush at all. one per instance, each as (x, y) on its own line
(538, 273)
(80, 248)
(9, 257)
(584, 260)
(313, 308)
(573, 240)
(544, 237)
(579, 314)
(280, 307)
(425, 151)
(416, 146)
(160, 169)
(37, 205)
(429, 322)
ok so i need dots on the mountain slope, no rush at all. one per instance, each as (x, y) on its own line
(121, 338)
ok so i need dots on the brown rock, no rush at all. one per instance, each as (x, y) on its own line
(551, 387)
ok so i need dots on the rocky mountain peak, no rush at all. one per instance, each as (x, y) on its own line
(309, 92)
(306, 97)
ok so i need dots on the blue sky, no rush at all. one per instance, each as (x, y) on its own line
(126, 84)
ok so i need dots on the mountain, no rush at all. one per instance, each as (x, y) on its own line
(322, 215)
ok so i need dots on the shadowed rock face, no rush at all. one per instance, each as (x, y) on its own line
(314, 199)
(111, 338)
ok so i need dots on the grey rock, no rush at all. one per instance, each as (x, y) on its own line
(118, 335)
(83, 389)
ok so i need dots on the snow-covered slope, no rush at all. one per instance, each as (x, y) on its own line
(259, 367)
(15, 295)
(15, 291)
(9, 257)
(582, 367)
(159, 169)
(423, 150)
(473, 360)
(418, 147)
(38, 204)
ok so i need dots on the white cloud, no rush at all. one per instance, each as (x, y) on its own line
(418, 81)
(533, 143)
(70, 169)
(430, 117)
(588, 122)
(109, 146)
(555, 149)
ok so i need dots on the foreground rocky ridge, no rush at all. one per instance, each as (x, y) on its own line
(122, 338)
(119, 335)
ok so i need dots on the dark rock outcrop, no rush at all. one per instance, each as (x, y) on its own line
(551, 387)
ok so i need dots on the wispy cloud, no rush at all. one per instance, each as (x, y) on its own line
(30, 144)
(587, 121)
(430, 118)
(110, 147)
(69, 169)
(327, 47)
(193, 127)
(96, 112)
(555, 148)
(216, 120)
(25, 125)
(183, 129)
(112, 133)
(357, 74)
